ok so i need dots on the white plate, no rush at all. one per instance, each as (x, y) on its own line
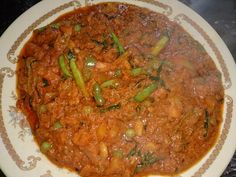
(19, 155)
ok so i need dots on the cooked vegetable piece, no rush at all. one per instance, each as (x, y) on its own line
(110, 83)
(146, 92)
(57, 125)
(147, 159)
(119, 46)
(77, 27)
(117, 73)
(97, 94)
(137, 71)
(77, 74)
(63, 67)
(110, 108)
(130, 133)
(90, 62)
(118, 153)
(133, 151)
(45, 146)
(161, 44)
(55, 25)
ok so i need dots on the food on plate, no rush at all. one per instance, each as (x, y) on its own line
(118, 90)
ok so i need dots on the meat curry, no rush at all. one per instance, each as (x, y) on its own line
(118, 90)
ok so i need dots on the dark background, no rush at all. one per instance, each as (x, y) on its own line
(220, 14)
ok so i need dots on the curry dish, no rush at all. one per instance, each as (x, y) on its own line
(118, 90)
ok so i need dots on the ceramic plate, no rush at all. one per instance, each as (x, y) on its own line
(19, 154)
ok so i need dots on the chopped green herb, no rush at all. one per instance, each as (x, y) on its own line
(55, 25)
(45, 146)
(77, 27)
(42, 29)
(146, 92)
(117, 73)
(133, 151)
(57, 125)
(110, 108)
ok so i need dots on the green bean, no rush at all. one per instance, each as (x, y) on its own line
(57, 125)
(137, 71)
(45, 146)
(120, 48)
(146, 92)
(78, 77)
(63, 68)
(110, 83)
(90, 62)
(110, 108)
(161, 44)
(77, 27)
(97, 93)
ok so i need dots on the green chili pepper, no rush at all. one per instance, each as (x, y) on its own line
(45, 146)
(78, 77)
(137, 71)
(77, 27)
(146, 92)
(63, 68)
(110, 108)
(97, 93)
(120, 48)
(110, 83)
(161, 44)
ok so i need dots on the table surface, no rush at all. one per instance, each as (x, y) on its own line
(220, 14)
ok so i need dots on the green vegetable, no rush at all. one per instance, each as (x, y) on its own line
(118, 153)
(110, 108)
(133, 151)
(45, 146)
(206, 123)
(57, 125)
(117, 73)
(87, 110)
(110, 83)
(97, 94)
(146, 92)
(147, 159)
(63, 68)
(77, 27)
(130, 133)
(42, 29)
(55, 25)
(78, 76)
(120, 48)
(90, 62)
(137, 71)
(161, 44)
